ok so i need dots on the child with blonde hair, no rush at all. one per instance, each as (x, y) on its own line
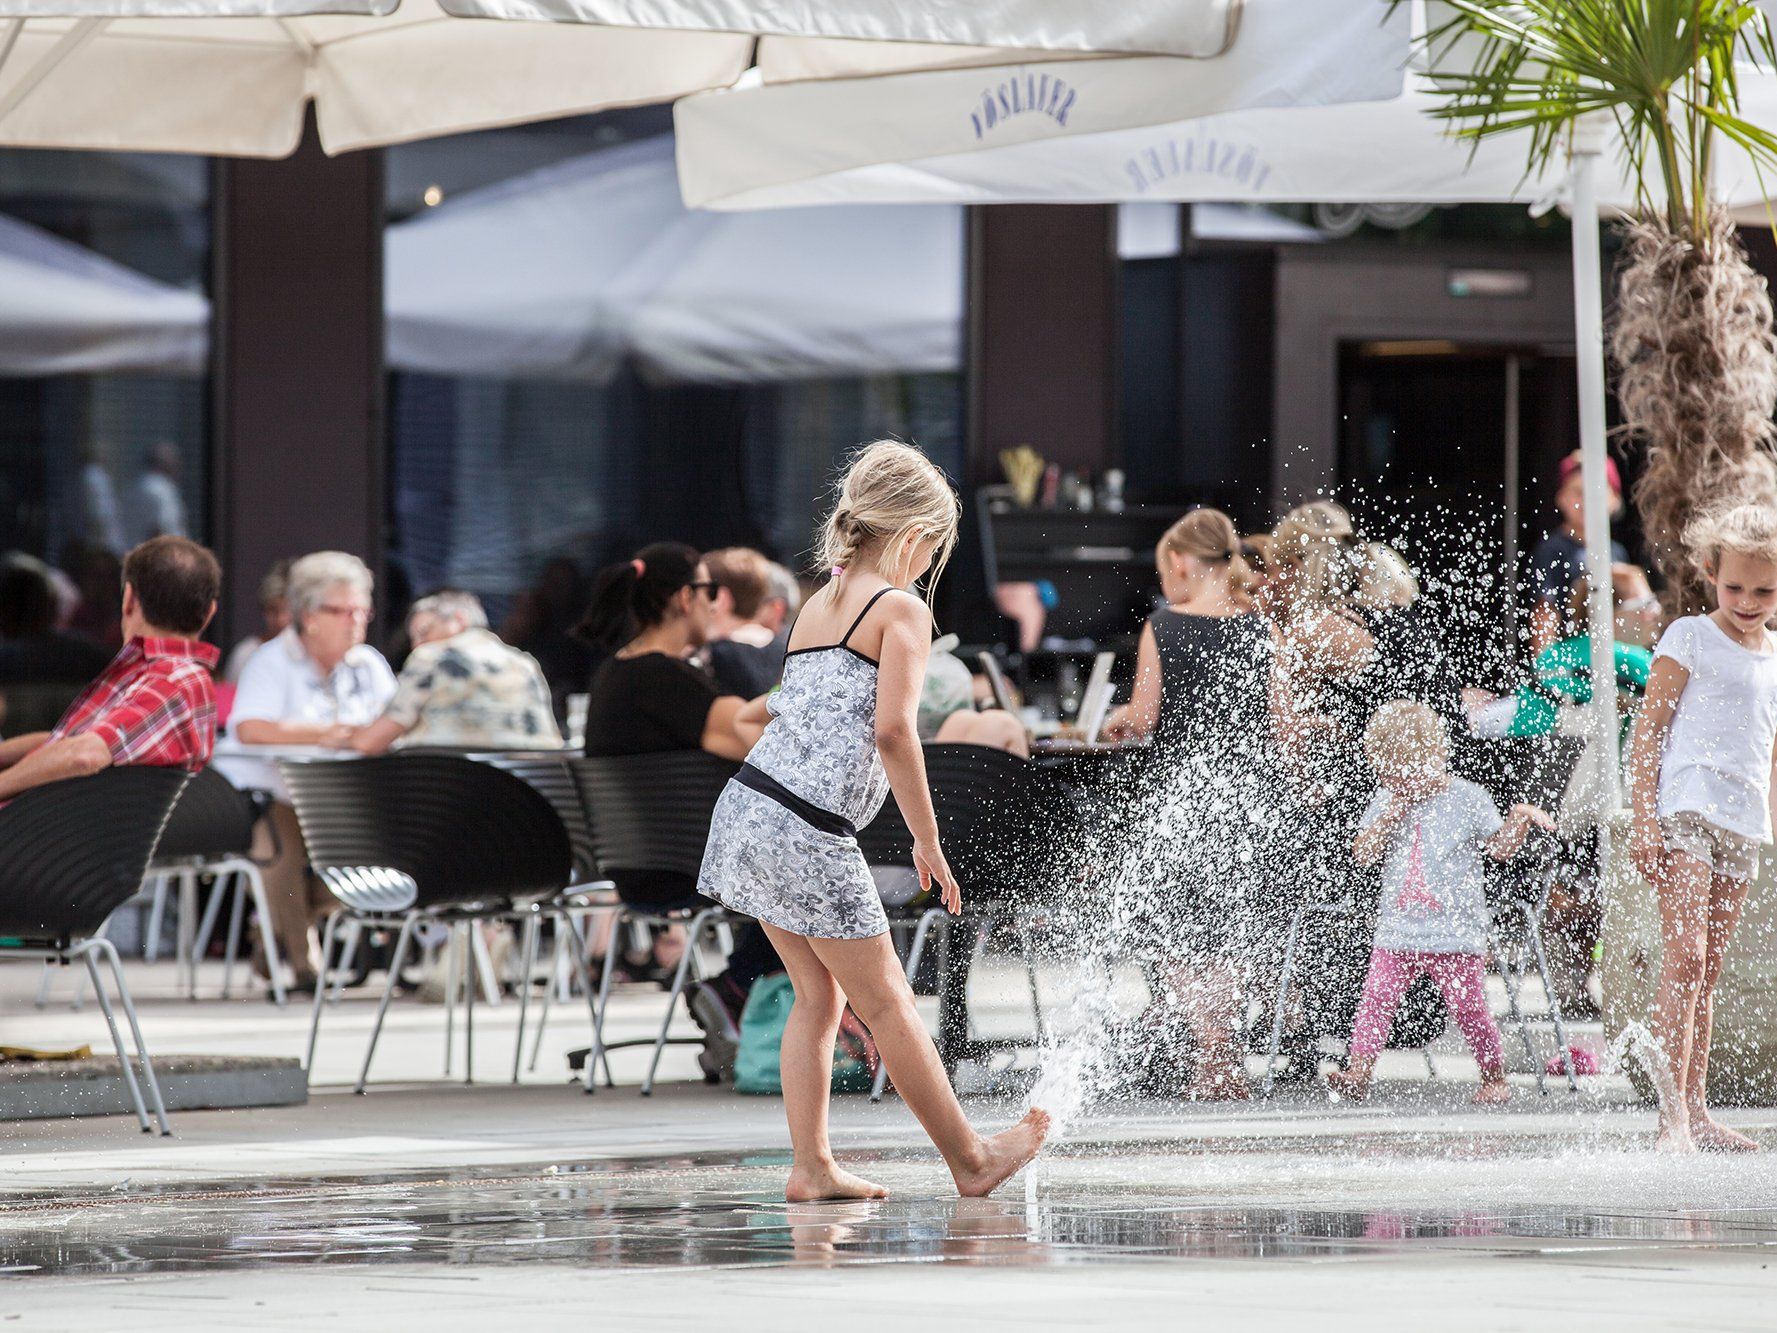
(783, 846)
(1700, 768)
(1429, 829)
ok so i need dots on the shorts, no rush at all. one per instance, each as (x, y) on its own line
(1733, 855)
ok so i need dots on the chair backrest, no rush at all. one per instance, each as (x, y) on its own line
(212, 819)
(651, 811)
(550, 775)
(464, 832)
(993, 811)
(72, 852)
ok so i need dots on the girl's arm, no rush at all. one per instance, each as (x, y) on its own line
(1137, 718)
(1504, 844)
(906, 642)
(1665, 683)
(1371, 843)
(733, 726)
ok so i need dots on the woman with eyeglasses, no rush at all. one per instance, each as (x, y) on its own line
(315, 683)
(650, 614)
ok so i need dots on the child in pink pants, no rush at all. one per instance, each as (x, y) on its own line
(1429, 829)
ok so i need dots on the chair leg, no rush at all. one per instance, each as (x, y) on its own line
(376, 1028)
(255, 884)
(156, 917)
(187, 932)
(557, 965)
(109, 950)
(231, 951)
(483, 958)
(206, 926)
(693, 934)
(529, 929)
(613, 951)
(346, 959)
(450, 995)
(915, 955)
(328, 932)
(1030, 977)
(43, 984)
(1280, 1005)
(1515, 1007)
(1542, 967)
(577, 955)
(123, 1056)
(471, 937)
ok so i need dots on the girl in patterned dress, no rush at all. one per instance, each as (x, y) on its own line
(782, 845)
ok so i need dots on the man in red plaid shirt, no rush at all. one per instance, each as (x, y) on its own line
(154, 705)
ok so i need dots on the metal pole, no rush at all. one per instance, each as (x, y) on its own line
(1588, 326)
(1513, 482)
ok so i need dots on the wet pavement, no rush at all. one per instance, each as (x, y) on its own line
(1382, 1196)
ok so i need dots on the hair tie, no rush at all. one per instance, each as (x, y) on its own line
(838, 570)
(640, 567)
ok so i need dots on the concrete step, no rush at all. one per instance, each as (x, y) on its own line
(58, 1089)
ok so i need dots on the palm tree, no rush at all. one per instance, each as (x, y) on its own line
(1693, 344)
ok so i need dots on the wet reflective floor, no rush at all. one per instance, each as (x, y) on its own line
(1276, 1198)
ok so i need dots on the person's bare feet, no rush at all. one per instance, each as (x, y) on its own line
(1674, 1138)
(1710, 1135)
(1492, 1092)
(1348, 1084)
(815, 1184)
(1003, 1155)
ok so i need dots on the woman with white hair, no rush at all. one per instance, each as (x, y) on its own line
(314, 684)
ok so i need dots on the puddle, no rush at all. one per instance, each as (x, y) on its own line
(1287, 1199)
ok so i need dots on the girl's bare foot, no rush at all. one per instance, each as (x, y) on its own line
(1493, 1092)
(1348, 1084)
(1674, 1138)
(1711, 1136)
(1003, 1155)
(1226, 1084)
(813, 1184)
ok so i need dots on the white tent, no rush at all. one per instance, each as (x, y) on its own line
(235, 77)
(65, 311)
(614, 267)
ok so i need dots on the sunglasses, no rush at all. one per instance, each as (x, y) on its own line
(708, 587)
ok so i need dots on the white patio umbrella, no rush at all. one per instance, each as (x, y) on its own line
(234, 77)
(615, 268)
(67, 311)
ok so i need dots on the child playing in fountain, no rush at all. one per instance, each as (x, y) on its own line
(783, 840)
(1429, 829)
(1700, 766)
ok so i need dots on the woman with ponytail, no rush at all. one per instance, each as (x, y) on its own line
(1202, 671)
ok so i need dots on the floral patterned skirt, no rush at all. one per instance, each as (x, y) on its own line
(764, 861)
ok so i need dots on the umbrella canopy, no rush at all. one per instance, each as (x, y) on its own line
(615, 268)
(68, 311)
(1373, 152)
(781, 142)
(96, 78)
(1172, 27)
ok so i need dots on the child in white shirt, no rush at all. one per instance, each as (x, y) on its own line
(1700, 765)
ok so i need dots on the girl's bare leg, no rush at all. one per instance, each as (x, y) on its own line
(1683, 890)
(1210, 992)
(1726, 898)
(807, 1070)
(871, 976)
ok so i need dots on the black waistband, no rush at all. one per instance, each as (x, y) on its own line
(812, 815)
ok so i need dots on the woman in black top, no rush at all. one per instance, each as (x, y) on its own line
(1200, 694)
(646, 697)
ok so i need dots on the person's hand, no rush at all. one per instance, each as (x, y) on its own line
(1118, 726)
(1532, 816)
(1647, 848)
(928, 860)
(338, 736)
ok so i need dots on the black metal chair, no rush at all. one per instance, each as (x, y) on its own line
(650, 815)
(989, 804)
(70, 854)
(1522, 769)
(409, 837)
(551, 774)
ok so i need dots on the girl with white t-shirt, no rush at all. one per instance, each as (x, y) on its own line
(1700, 765)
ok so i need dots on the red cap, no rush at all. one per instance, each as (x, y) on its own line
(1571, 465)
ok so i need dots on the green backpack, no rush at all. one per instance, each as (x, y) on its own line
(758, 1066)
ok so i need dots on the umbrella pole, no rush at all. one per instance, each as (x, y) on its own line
(1588, 322)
